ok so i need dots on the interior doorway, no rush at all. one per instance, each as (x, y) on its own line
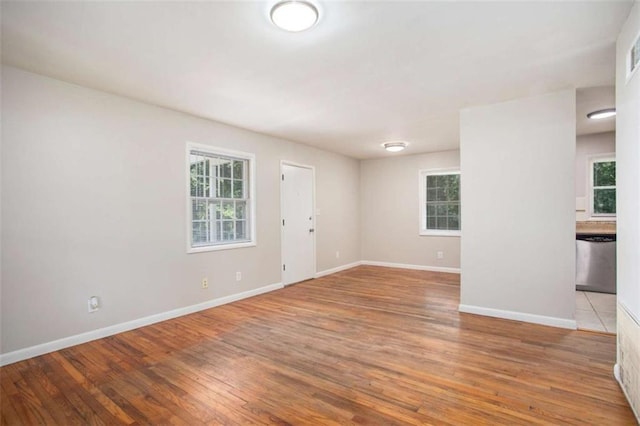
(595, 232)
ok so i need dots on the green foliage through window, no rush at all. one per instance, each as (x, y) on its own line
(604, 187)
(442, 202)
(219, 199)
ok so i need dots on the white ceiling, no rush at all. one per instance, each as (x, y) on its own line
(367, 73)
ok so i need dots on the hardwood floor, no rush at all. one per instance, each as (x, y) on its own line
(369, 345)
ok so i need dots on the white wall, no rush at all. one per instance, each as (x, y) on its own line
(518, 252)
(93, 203)
(628, 213)
(389, 212)
(586, 147)
(628, 170)
(1, 174)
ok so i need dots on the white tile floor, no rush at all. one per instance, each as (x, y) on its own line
(596, 311)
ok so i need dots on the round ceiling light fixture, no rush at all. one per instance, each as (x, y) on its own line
(603, 113)
(294, 15)
(394, 146)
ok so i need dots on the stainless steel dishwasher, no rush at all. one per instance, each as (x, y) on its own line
(596, 262)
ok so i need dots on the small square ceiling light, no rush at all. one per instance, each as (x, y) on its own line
(294, 15)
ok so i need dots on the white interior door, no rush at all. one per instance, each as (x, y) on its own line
(298, 224)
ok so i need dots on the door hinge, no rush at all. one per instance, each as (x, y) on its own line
(284, 267)
(283, 177)
(282, 222)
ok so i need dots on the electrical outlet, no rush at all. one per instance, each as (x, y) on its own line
(337, 255)
(93, 304)
(205, 283)
(440, 255)
(238, 276)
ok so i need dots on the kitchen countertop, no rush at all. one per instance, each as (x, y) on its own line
(593, 227)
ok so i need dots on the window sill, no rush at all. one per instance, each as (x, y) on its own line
(601, 219)
(218, 247)
(436, 233)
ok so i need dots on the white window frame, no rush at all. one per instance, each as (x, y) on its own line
(422, 188)
(251, 205)
(591, 160)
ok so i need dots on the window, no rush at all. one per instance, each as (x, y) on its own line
(440, 202)
(220, 199)
(603, 186)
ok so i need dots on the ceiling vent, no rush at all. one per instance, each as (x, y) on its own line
(634, 57)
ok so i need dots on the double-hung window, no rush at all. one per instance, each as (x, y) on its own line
(440, 202)
(220, 199)
(602, 186)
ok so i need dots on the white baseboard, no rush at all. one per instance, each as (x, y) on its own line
(33, 351)
(408, 266)
(519, 316)
(337, 269)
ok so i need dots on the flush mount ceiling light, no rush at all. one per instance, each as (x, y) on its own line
(603, 113)
(394, 146)
(294, 15)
